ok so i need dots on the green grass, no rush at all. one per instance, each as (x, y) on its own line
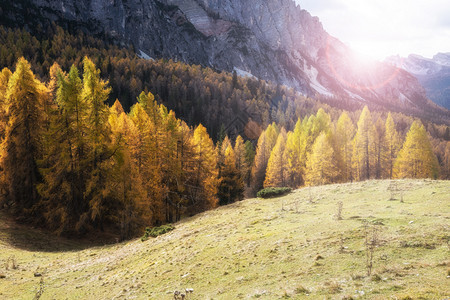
(279, 248)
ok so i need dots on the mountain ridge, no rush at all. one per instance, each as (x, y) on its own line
(272, 40)
(433, 74)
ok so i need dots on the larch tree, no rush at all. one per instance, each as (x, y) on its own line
(203, 187)
(249, 160)
(130, 210)
(311, 129)
(363, 147)
(321, 166)
(170, 167)
(63, 168)
(446, 161)
(266, 142)
(239, 152)
(231, 186)
(276, 174)
(345, 130)
(147, 163)
(221, 147)
(5, 74)
(392, 144)
(22, 144)
(293, 156)
(416, 158)
(94, 93)
(380, 150)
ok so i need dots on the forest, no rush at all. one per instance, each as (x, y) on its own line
(72, 163)
(125, 143)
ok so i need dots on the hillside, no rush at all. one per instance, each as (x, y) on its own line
(258, 248)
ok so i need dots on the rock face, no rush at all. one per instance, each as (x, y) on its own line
(274, 40)
(433, 74)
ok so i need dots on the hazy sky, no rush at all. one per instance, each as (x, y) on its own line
(380, 28)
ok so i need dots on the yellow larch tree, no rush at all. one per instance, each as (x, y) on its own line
(22, 144)
(231, 186)
(293, 148)
(363, 147)
(130, 211)
(321, 166)
(203, 192)
(266, 142)
(392, 142)
(380, 150)
(276, 174)
(345, 131)
(416, 158)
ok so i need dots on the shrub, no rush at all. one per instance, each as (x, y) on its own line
(273, 192)
(156, 231)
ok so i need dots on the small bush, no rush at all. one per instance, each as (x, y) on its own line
(273, 192)
(301, 290)
(156, 231)
(417, 244)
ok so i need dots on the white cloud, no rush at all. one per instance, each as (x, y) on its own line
(385, 27)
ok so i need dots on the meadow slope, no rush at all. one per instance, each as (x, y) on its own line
(288, 247)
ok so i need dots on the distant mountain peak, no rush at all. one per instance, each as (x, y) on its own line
(432, 73)
(273, 40)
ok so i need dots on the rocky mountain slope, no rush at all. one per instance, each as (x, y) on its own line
(273, 40)
(433, 74)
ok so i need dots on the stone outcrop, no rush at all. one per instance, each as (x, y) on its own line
(273, 40)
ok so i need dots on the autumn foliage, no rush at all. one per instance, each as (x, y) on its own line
(72, 163)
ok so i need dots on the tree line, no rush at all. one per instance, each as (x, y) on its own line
(71, 163)
(319, 151)
(198, 95)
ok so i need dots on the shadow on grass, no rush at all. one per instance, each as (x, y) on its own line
(31, 239)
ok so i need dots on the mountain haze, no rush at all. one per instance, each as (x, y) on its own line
(273, 40)
(433, 74)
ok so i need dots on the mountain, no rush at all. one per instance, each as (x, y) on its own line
(273, 40)
(433, 74)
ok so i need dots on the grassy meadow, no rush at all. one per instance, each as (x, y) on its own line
(293, 247)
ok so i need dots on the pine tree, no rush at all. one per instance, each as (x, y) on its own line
(416, 158)
(321, 168)
(22, 145)
(392, 142)
(276, 174)
(363, 147)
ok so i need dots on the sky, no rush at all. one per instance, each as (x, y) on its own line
(381, 28)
